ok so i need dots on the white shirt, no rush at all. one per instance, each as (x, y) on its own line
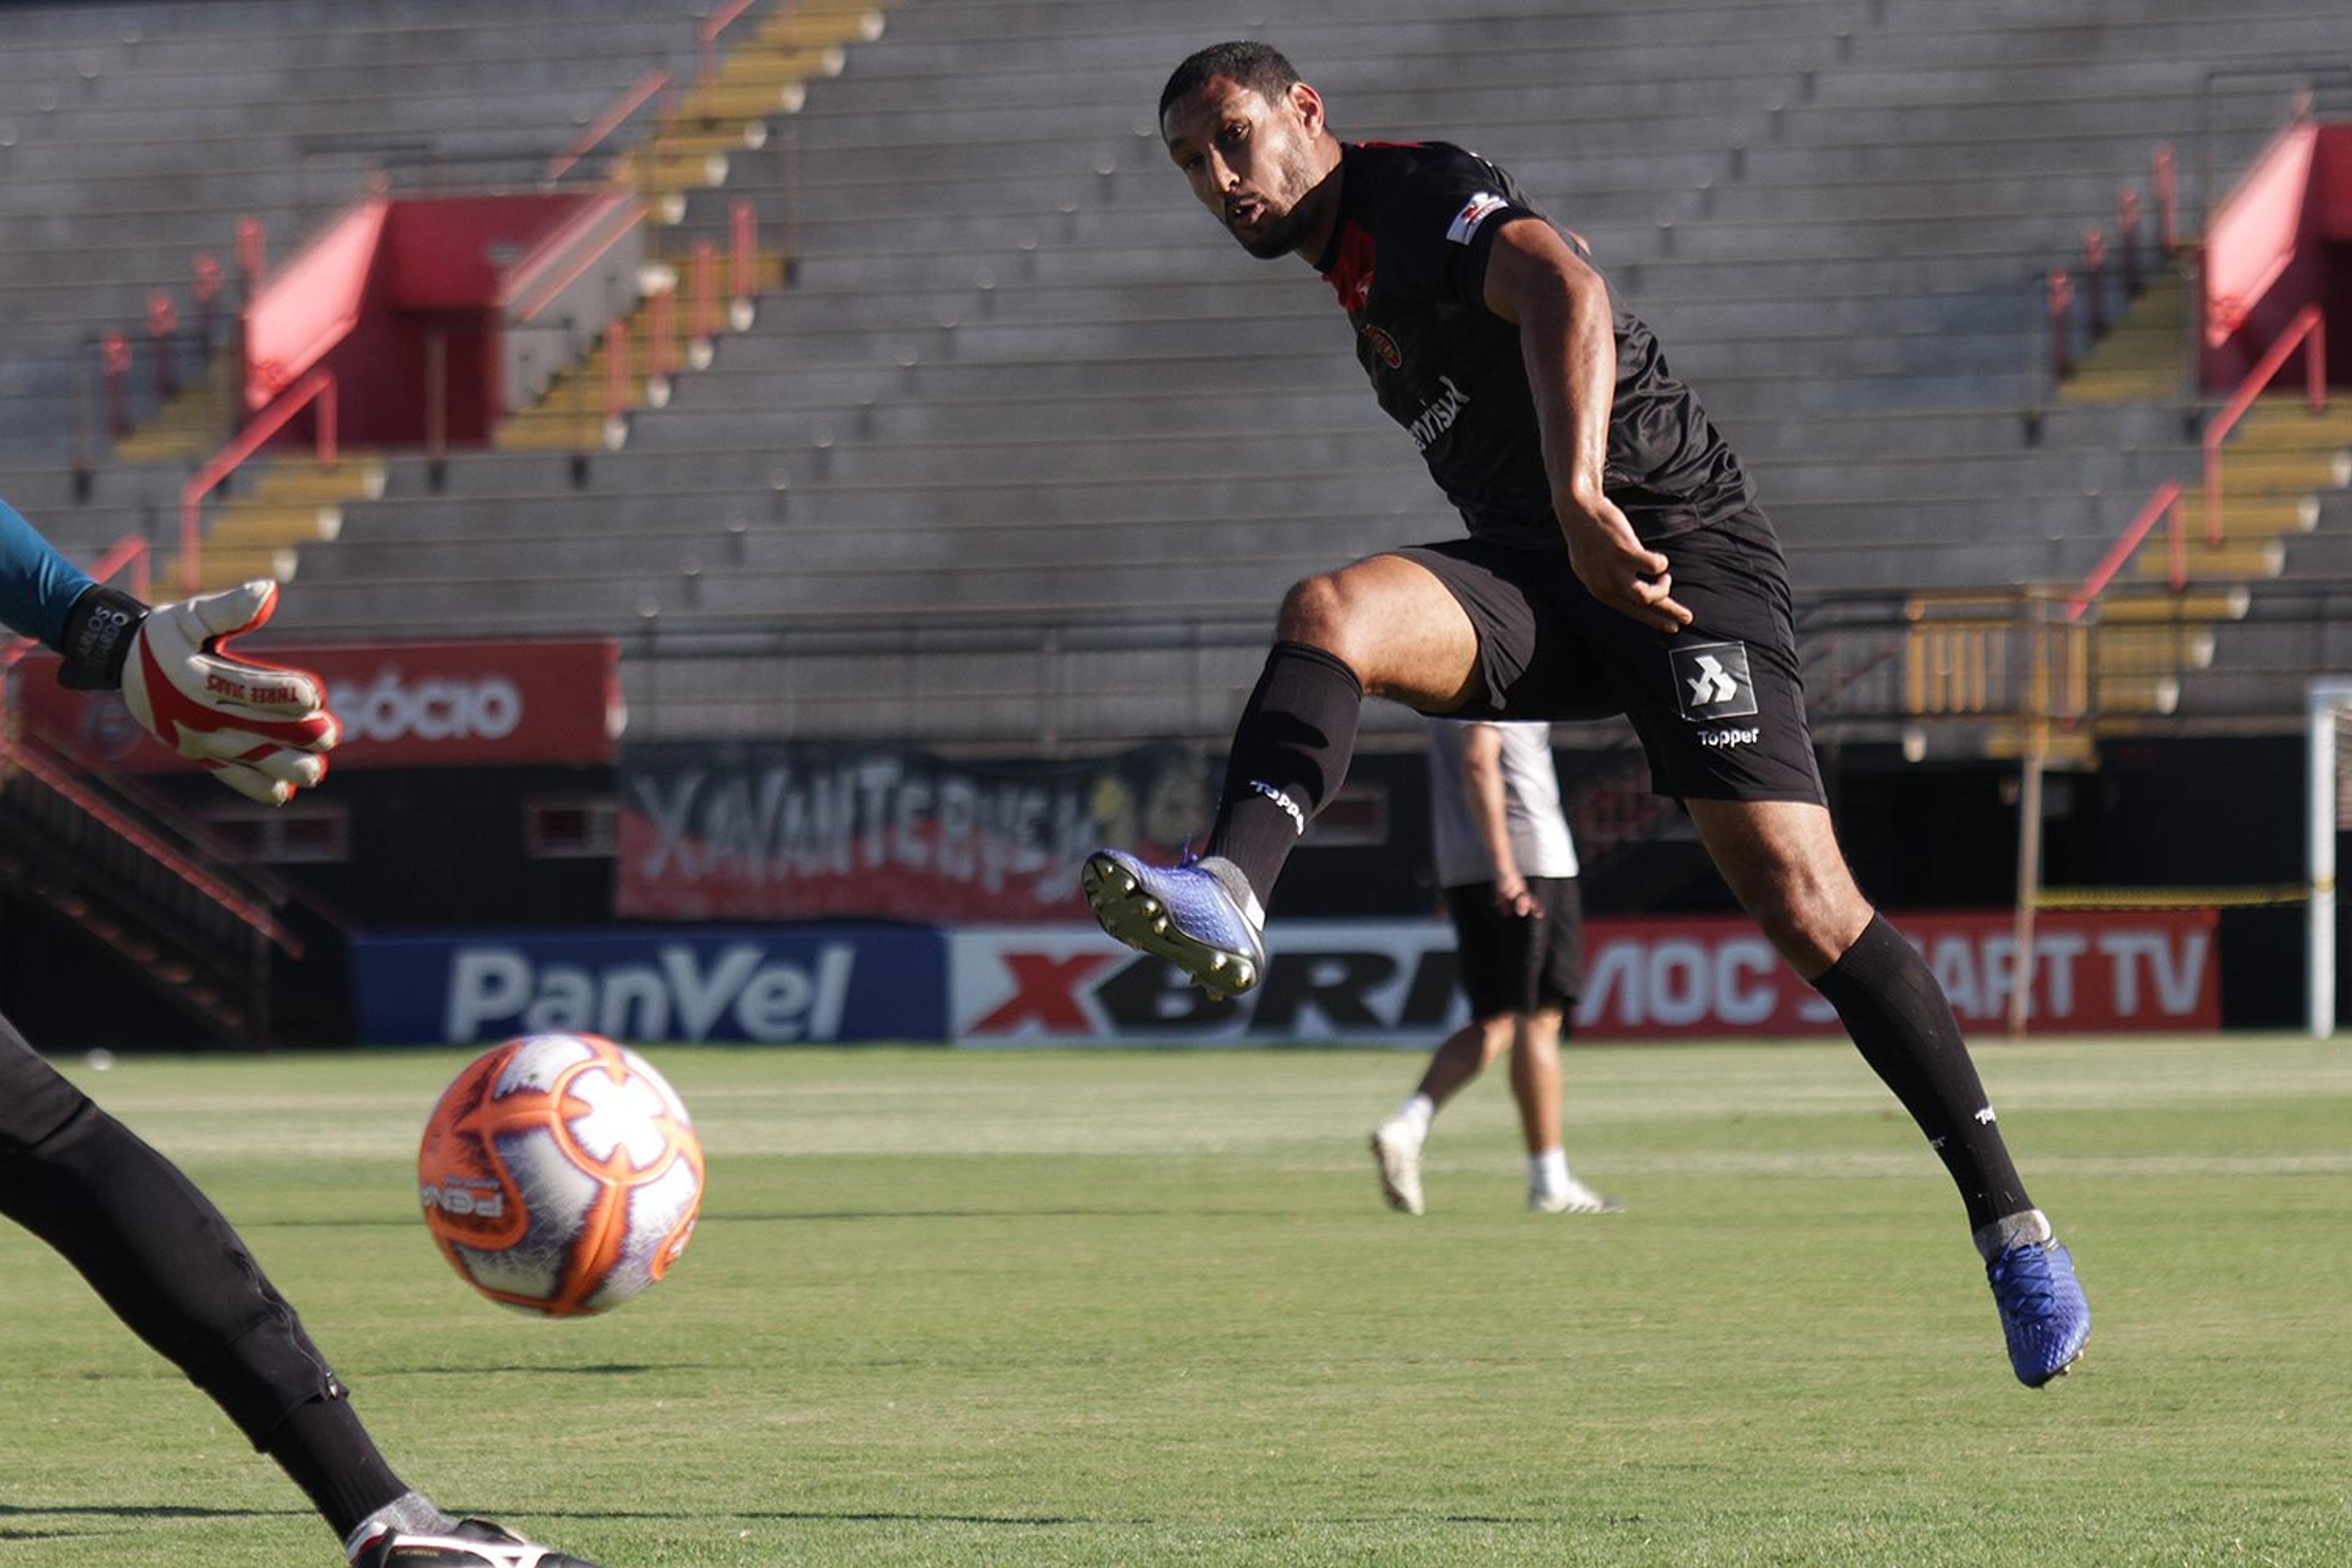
(1540, 841)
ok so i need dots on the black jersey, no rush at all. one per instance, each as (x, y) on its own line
(1408, 259)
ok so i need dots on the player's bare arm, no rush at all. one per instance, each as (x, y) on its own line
(1535, 281)
(1482, 770)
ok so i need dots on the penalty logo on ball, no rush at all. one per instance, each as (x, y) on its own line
(561, 1173)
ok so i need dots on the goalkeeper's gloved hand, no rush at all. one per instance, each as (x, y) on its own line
(263, 728)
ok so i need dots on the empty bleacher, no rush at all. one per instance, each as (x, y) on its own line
(1023, 387)
(134, 137)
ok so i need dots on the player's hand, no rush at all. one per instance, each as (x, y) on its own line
(1616, 567)
(263, 729)
(1512, 898)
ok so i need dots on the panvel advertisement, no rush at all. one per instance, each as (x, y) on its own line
(753, 985)
(1361, 982)
(805, 831)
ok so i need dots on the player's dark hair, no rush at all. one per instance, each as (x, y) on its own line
(1244, 62)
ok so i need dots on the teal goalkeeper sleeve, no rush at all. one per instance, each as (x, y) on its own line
(38, 586)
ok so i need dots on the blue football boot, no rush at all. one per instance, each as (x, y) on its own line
(2043, 1312)
(1201, 916)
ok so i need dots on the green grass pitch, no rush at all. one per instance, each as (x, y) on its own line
(1061, 1308)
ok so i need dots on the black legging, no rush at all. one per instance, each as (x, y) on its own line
(153, 1246)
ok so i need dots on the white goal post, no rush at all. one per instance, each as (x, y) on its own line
(2329, 711)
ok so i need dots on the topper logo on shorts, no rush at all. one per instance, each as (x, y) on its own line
(1711, 681)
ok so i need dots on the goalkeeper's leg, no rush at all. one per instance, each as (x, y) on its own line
(172, 1267)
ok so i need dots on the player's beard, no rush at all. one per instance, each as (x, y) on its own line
(1278, 237)
(1283, 233)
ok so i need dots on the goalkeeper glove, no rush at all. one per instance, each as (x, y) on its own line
(263, 728)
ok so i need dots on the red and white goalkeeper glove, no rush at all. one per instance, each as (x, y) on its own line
(263, 728)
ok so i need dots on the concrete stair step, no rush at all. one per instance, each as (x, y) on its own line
(2236, 561)
(226, 568)
(2136, 694)
(2285, 423)
(2141, 650)
(2269, 469)
(558, 431)
(2144, 356)
(694, 139)
(2151, 383)
(261, 525)
(2189, 608)
(656, 173)
(356, 476)
(2060, 746)
(162, 444)
(767, 66)
(826, 21)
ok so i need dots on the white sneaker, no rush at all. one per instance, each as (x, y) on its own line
(1573, 1198)
(1398, 1154)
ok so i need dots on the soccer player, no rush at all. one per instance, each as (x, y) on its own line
(1616, 563)
(1508, 865)
(155, 1248)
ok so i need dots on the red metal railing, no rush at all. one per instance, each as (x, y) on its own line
(705, 323)
(130, 552)
(615, 113)
(63, 780)
(2128, 238)
(744, 226)
(718, 22)
(2164, 177)
(2057, 305)
(661, 310)
(616, 372)
(2164, 502)
(319, 386)
(2308, 323)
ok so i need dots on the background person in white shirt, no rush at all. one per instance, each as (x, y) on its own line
(1507, 866)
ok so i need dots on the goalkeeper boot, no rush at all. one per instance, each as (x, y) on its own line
(2043, 1315)
(468, 1543)
(1201, 916)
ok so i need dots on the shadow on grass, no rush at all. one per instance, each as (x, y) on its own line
(839, 1516)
(594, 1369)
(408, 1222)
(1186, 1211)
(137, 1511)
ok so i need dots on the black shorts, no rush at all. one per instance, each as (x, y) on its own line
(1513, 965)
(1719, 705)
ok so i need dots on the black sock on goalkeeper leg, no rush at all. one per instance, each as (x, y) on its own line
(1289, 756)
(329, 1454)
(1902, 1022)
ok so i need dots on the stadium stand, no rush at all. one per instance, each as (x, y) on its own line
(1025, 423)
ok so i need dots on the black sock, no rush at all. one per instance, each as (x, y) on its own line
(1290, 753)
(331, 1458)
(1900, 1018)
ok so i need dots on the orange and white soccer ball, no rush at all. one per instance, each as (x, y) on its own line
(561, 1174)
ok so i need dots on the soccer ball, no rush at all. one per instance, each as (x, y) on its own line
(559, 1174)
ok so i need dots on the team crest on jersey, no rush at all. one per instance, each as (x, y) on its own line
(1711, 681)
(1475, 211)
(1385, 346)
